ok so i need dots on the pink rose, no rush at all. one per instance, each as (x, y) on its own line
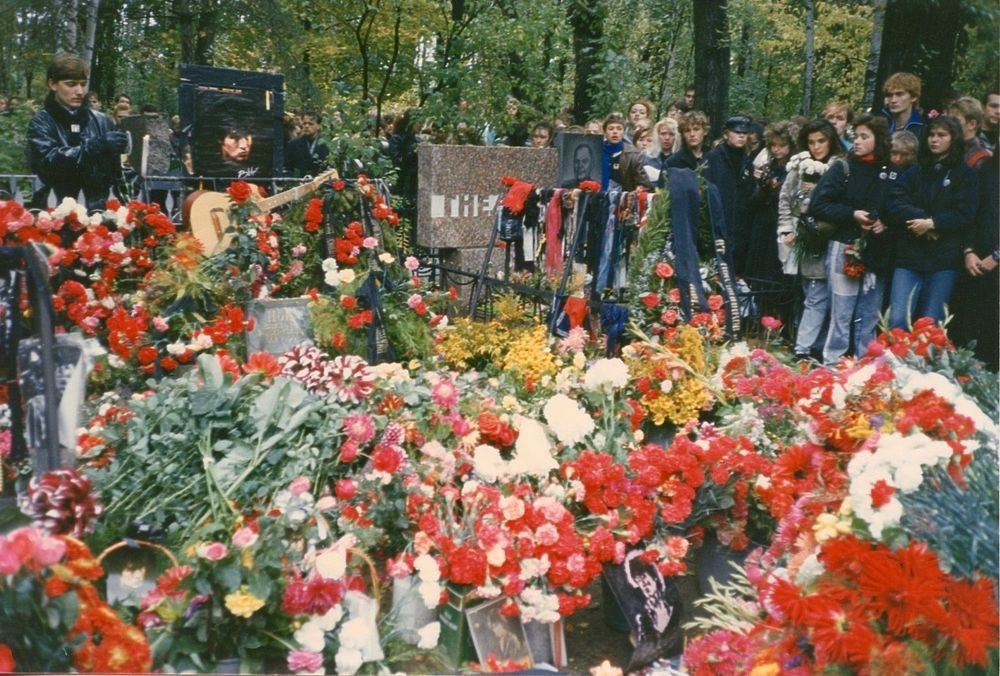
(213, 551)
(244, 537)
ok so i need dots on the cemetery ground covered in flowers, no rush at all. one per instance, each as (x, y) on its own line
(318, 509)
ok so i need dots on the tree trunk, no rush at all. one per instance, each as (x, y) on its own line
(89, 29)
(874, 52)
(68, 39)
(185, 29)
(711, 59)
(920, 37)
(208, 24)
(390, 67)
(807, 88)
(586, 19)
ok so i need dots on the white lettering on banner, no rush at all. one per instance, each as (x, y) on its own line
(466, 205)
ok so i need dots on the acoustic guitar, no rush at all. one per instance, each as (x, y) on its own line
(206, 212)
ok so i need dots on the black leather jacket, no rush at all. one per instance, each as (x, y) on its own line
(62, 151)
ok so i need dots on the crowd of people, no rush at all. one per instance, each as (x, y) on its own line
(884, 212)
(855, 217)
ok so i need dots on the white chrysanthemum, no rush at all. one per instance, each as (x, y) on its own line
(488, 464)
(331, 618)
(429, 635)
(910, 382)
(311, 636)
(354, 633)
(532, 450)
(606, 375)
(570, 423)
(331, 278)
(329, 265)
(898, 461)
(348, 660)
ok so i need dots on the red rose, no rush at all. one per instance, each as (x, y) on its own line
(239, 191)
(664, 270)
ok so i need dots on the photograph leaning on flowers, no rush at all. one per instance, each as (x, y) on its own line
(345, 506)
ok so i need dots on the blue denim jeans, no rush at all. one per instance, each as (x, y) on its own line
(915, 295)
(815, 307)
(855, 307)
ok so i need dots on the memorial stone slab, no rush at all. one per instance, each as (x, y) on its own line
(459, 189)
(279, 325)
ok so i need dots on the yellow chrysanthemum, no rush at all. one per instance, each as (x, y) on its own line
(242, 603)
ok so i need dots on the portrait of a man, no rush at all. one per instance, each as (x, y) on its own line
(652, 606)
(233, 136)
(579, 159)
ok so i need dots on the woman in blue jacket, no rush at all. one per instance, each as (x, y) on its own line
(931, 209)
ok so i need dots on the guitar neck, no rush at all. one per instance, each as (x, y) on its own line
(292, 194)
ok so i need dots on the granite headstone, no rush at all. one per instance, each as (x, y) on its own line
(459, 189)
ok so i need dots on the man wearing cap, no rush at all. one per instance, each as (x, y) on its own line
(71, 147)
(726, 166)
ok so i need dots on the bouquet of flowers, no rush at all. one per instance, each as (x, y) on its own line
(863, 453)
(52, 618)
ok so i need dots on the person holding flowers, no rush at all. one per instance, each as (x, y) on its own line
(851, 196)
(800, 253)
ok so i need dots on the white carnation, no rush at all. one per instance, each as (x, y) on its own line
(429, 635)
(570, 423)
(606, 375)
(348, 660)
(532, 450)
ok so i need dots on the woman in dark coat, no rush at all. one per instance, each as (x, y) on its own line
(931, 208)
(851, 197)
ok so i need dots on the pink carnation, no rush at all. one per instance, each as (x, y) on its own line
(302, 661)
(411, 263)
(299, 485)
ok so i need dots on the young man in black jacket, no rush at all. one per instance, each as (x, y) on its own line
(72, 148)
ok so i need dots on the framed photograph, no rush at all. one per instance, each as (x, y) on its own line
(579, 158)
(498, 636)
(234, 121)
(651, 605)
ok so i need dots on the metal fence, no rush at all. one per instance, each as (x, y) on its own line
(167, 191)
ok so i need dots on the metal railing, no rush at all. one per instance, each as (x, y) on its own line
(167, 191)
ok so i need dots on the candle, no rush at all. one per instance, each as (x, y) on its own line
(145, 155)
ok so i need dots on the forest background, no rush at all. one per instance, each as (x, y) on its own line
(457, 61)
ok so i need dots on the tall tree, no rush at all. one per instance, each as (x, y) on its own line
(920, 37)
(586, 18)
(874, 52)
(711, 59)
(810, 54)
